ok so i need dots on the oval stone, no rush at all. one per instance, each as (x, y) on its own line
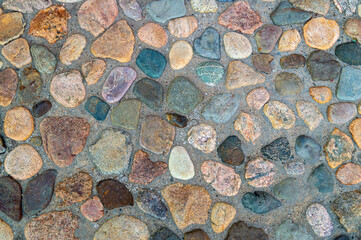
(279, 114)
(72, 49)
(308, 149)
(151, 62)
(41, 108)
(8, 85)
(177, 120)
(349, 53)
(44, 61)
(321, 33)
(149, 92)
(180, 55)
(267, 37)
(349, 174)
(221, 107)
(202, 137)
(259, 173)
(211, 73)
(18, 124)
(180, 164)
(341, 113)
(183, 27)
(153, 35)
(319, 219)
(10, 198)
(92, 209)
(236, 45)
(151, 203)
(288, 84)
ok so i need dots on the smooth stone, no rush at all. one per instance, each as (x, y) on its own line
(316, 6)
(204, 6)
(117, 83)
(286, 14)
(72, 49)
(257, 97)
(319, 220)
(341, 112)
(308, 149)
(355, 130)
(114, 194)
(183, 96)
(156, 135)
(151, 62)
(165, 234)
(203, 137)
(144, 170)
(180, 164)
(63, 138)
(126, 114)
(295, 168)
(289, 41)
(208, 44)
(18, 124)
(164, 10)
(30, 86)
(17, 52)
(26, 6)
(92, 209)
(338, 149)
(93, 70)
(189, 204)
(321, 94)
(116, 43)
(259, 173)
(309, 113)
(50, 23)
(293, 61)
(23, 162)
(6, 233)
(260, 202)
(349, 85)
(197, 234)
(183, 27)
(323, 66)
(249, 126)
(221, 107)
(41, 108)
(230, 151)
(287, 189)
(210, 72)
(39, 192)
(279, 114)
(97, 108)
(123, 227)
(8, 86)
(349, 174)
(321, 33)
(180, 55)
(353, 29)
(10, 198)
(221, 177)
(95, 16)
(12, 26)
(2, 146)
(177, 120)
(151, 203)
(236, 45)
(153, 35)
(221, 216)
(342, 237)
(288, 84)
(131, 9)
(241, 230)
(44, 60)
(291, 231)
(149, 92)
(262, 62)
(267, 37)
(240, 75)
(347, 7)
(240, 17)
(349, 53)
(111, 152)
(278, 150)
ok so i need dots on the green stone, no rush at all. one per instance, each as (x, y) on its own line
(211, 73)
(30, 86)
(126, 114)
(44, 61)
(149, 92)
(287, 189)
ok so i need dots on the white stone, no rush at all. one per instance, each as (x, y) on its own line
(180, 164)
(237, 46)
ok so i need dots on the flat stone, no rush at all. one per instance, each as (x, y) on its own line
(293, 61)
(116, 43)
(355, 130)
(92, 209)
(221, 177)
(341, 113)
(208, 44)
(117, 84)
(26, 6)
(30, 86)
(230, 151)
(111, 152)
(309, 113)
(124, 227)
(316, 6)
(236, 45)
(153, 35)
(151, 62)
(144, 170)
(286, 14)
(323, 66)
(72, 49)
(353, 29)
(319, 220)
(267, 37)
(197, 234)
(156, 135)
(63, 138)
(278, 150)
(289, 230)
(240, 17)
(97, 108)
(308, 149)
(180, 55)
(259, 173)
(262, 62)
(287, 189)
(12, 26)
(349, 53)
(93, 70)
(183, 27)
(202, 137)
(204, 6)
(321, 94)
(349, 88)
(221, 107)
(221, 216)
(126, 114)
(41, 108)
(295, 168)
(18, 124)
(95, 16)
(338, 149)
(149, 92)
(43, 60)
(114, 194)
(50, 23)
(257, 97)
(321, 33)
(240, 75)
(241, 230)
(151, 203)
(17, 52)
(177, 120)
(189, 204)
(52, 225)
(8, 85)
(349, 174)
(279, 114)
(249, 126)
(287, 83)
(260, 202)
(165, 234)
(164, 10)
(322, 179)
(10, 198)
(210, 72)
(180, 164)
(131, 9)
(6, 233)
(289, 41)
(39, 192)
(347, 7)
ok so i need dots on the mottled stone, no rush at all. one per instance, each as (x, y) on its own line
(202, 137)
(6, 233)
(338, 149)
(348, 7)
(259, 173)
(355, 130)
(321, 94)
(287, 189)
(293, 61)
(349, 53)
(278, 150)
(249, 126)
(230, 151)
(240, 75)
(17, 52)
(149, 92)
(208, 44)
(164, 10)
(210, 72)
(30, 86)
(240, 230)
(180, 164)
(316, 6)
(197, 234)
(221, 216)
(267, 37)
(41, 108)
(260, 202)
(18, 124)
(319, 220)
(308, 148)
(8, 86)
(165, 234)
(221, 107)
(237, 46)
(321, 33)
(341, 113)
(180, 55)
(97, 108)
(353, 29)
(153, 35)
(131, 9)
(44, 61)
(349, 86)
(204, 6)
(114, 194)
(287, 83)
(36, 141)
(295, 168)
(93, 70)
(12, 26)
(289, 230)
(126, 114)
(286, 14)
(257, 97)
(262, 62)
(279, 114)
(151, 203)
(151, 62)
(323, 66)
(92, 209)
(72, 49)
(309, 113)
(177, 120)
(183, 27)
(349, 174)
(10, 198)
(26, 6)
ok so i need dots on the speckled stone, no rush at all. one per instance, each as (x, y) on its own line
(114, 194)
(308, 149)
(10, 198)
(131, 9)
(93, 70)
(286, 14)
(295, 168)
(323, 66)
(72, 49)
(97, 108)
(6, 233)
(316, 6)
(183, 27)
(320, 221)
(355, 130)
(17, 52)
(41, 108)
(321, 94)
(293, 61)
(240, 75)
(262, 62)
(208, 44)
(353, 29)
(92, 209)
(180, 164)
(349, 174)
(249, 126)
(164, 10)
(278, 150)
(18, 124)
(347, 7)
(12, 26)
(267, 37)
(230, 151)
(279, 114)
(221, 107)
(341, 113)
(287, 189)
(260, 202)
(257, 97)
(151, 203)
(240, 230)
(349, 53)
(202, 137)
(180, 55)
(26, 6)
(221, 216)
(126, 114)
(153, 35)
(177, 120)
(321, 33)
(338, 149)
(210, 72)
(8, 85)
(149, 92)
(259, 173)
(151, 62)
(204, 6)
(44, 60)
(349, 86)
(287, 83)
(309, 113)
(30, 86)
(236, 45)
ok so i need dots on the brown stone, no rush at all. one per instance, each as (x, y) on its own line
(309, 113)
(355, 130)
(240, 75)
(262, 62)
(353, 29)
(183, 27)
(197, 234)
(240, 230)
(17, 52)
(116, 43)
(279, 114)
(63, 138)
(289, 41)
(349, 174)
(153, 35)
(93, 70)
(321, 33)
(144, 170)
(72, 49)
(11, 27)
(18, 124)
(321, 94)
(50, 23)
(114, 194)
(8, 86)
(189, 204)
(92, 209)
(221, 216)
(293, 61)
(260, 173)
(249, 126)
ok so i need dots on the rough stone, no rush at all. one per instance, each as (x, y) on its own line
(180, 55)
(126, 114)
(293, 61)
(348, 7)
(221, 216)
(321, 94)
(10, 198)
(257, 97)
(210, 72)
(149, 92)
(341, 112)
(92, 209)
(262, 62)
(355, 130)
(221, 107)
(319, 220)
(26, 6)
(349, 174)
(316, 6)
(202, 137)
(278, 150)
(8, 85)
(309, 113)
(279, 114)
(260, 202)
(30, 86)
(44, 61)
(338, 149)
(164, 10)
(267, 37)
(114, 194)
(180, 164)
(295, 168)
(237, 46)
(208, 44)
(93, 70)
(18, 124)
(240, 75)
(353, 29)
(17, 52)
(321, 33)
(259, 173)
(131, 9)
(240, 230)
(183, 27)
(249, 126)
(230, 151)
(204, 6)
(151, 203)
(288, 84)
(72, 49)
(153, 35)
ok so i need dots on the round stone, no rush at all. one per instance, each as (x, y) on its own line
(289, 41)
(259, 173)
(221, 216)
(92, 209)
(131, 9)
(18, 124)
(153, 35)
(12, 26)
(257, 97)
(230, 151)
(355, 130)
(183, 27)
(309, 113)
(180, 164)
(349, 174)
(177, 120)
(211, 73)
(236, 45)
(353, 29)
(44, 61)
(97, 108)
(292, 61)
(41, 108)
(308, 149)
(93, 70)
(6, 233)
(279, 114)
(72, 49)
(321, 179)
(180, 55)
(320, 221)
(341, 113)
(202, 137)
(17, 52)
(321, 33)
(288, 84)
(151, 62)
(278, 150)
(321, 94)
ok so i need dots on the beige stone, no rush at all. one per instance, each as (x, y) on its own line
(221, 216)
(6, 233)
(260, 173)
(183, 27)
(237, 46)
(153, 35)
(349, 174)
(18, 124)
(289, 41)
(11, 26)
(355, 130)
(180, 55)
(249, 126)
(321, 33)
(258, 97)
(353, 29)
(279, 114)
(321, 94)
(309, 113)
(240, 75)
(204, 6)
(202, 137)
(72, 49)
(17, 52)
(93, 70)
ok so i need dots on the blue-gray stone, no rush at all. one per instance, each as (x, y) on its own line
(210, 72)
(343, 237)
(44, 61)
(321, 179)
(286, 14)
(149, 92)
(323, 66)
(287, 189)
(151, 203)
(97, 108)
(260, 202)
(151, 62)
(349, 53)
(221, 107)
(165, 234)
(164, 10)
(291, 231)
(349, 86)
(278, 150)
(308, 149)
(208, 44)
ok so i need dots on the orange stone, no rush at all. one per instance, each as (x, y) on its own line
(289, 41)
(93, 70)
(355, 130)
(321, 33)
(92, 209)
(11, 26)
(183, 27)
(17, 52)
(18, 124)
(72, 49)
(153, 35)
(321, 94)
(349, 174)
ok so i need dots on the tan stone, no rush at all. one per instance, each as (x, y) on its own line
(72, 49)
(116, 43)
(349, 174)
(8, 85)
(221, 216)
(353, 29)
(249, 126)
(18, 124)
(240, 75)
(279, 114)
(359, 108)
(257, 97)
(153, 35)
(316, 6)
(289, 41)
(237, 46)
(309, 113)
(183, 27)
(6, 233)
(321, 33)
(204, 6)
(180, 55)
(92, 209)
(321, 94)
(11, 26)
(203, 137)
(17, 52)
(93, 70)
(355, 130)
(259, 173)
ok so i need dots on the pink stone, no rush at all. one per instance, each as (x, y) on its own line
(92, 209)
(259, 173)
(320, 221)
(258, 97)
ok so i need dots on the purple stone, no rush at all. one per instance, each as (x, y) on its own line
(117, 83)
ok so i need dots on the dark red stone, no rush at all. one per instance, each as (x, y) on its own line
(114, 194)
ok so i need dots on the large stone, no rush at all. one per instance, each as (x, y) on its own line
(309, 113)
(279, 114)
(180, 164)
(183, 27)
(237, 46)
(323, 66)
(131, 9)
(259, 173)
(286, 14)
(316, 6)
(260, 202)
(267, 37)
(12, 26)
(72, 49)
(10, 198)
(355, 130)
(341, 112)
(151, 203)
(321, 179)
(321, 33)
(26, 6)
(114, 194)
(92, 209)
(126, 114)
(221, 107)
(338, 149)
(44, 61)
(349, 53)
(17, 52)
(249, 126)
(208, 44)
(164, 10)
(8, 86)
(240, 75)
(221, 216)
(149, 92)
(202, 137)
(153, 35)
(18, 124)
(240, 230)
(349, 86)
(319, 219)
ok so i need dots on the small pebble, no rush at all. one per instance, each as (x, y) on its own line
(12, 26)
(97, 108)
(240, 75)
(44, 61)
(288, 84)
(202, 137)
(151, 62)
(41, 108)
(289, 230)
(149, 92)
(267, 37)
(204, 6)
(349, 53)
(309, 113)
(30, 86)
(8, 86)
(322, 179)
(92, 209)
(323, 66)
(260, 202)
(180, 55)
(221, 108)
(249, 126)
(286, 14)
(338, 149)
(293, 61)
(10, 199)
(287, 189)
(242, 231)
(321, 94)
(257, 97)
(131, 9)
(278, 150)
(295, 168)
(183, 27)
(355, 130)
(164, 10)
(177, 120)
(353, 29)
(308, 149)
(72, 49)
(208, 44)
(211, 73)
(316, 6)
(349, 88)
